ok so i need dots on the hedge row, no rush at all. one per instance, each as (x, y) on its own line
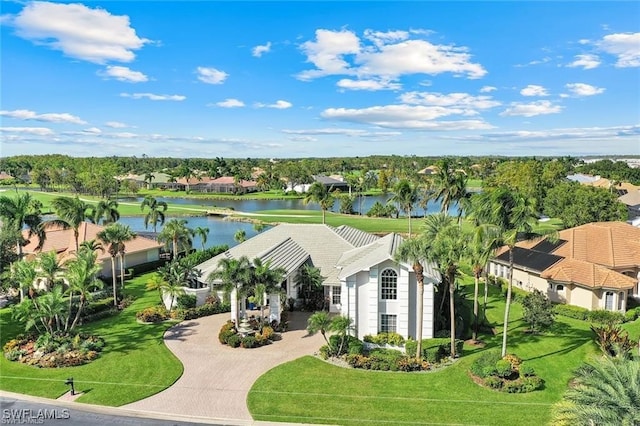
(599, 316)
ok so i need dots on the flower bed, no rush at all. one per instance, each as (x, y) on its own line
(230, 336)
(508, 374)
(53, 351)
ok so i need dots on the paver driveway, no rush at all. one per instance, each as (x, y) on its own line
(217, 378)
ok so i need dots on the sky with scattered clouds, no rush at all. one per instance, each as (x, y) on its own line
(320, 79)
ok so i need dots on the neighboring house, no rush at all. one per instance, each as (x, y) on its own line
(361, 279)
(228, 184)
(632, 200)
(620, 188)
(330, 182)
(158, 181)
(138, 251)
(594, 266)
(429, 170)
(582, 178)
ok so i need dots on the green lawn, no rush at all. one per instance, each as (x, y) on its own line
(311, 390)
(134, 364)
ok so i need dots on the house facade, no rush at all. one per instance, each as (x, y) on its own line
(594, 266)
(360, 278)
(139, 251)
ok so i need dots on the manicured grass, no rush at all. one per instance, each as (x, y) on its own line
(311, 390)
(134, 364)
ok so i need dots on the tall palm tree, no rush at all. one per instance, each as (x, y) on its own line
(481, 246)
(19, 212)
(414, 251)
(203, 233)
(82, 278)
(148, 178)
(71, 213)
(266, 280)
(156, 211)
(178, 234)
(126, 235)
(236, 277)
(105, 211)
(114, 235)
(405, 195)
(449, 186)
(514, 216)
(605, 391)
(447, 248)
(321, 195)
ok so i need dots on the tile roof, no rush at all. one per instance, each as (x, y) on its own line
(588, 274)
(63, 242)
(631, 198)
(354, 236)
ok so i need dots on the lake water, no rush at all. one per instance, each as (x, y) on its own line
(222, 231)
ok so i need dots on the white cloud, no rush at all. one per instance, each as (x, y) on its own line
(230, 103)
(153, 97)
(211, 75)
(582, 89)
(37, 131)
(459, 100)
(280, 104)
(93, 131)
(24, 114)
(626, 46)
(116, 125)
(339, 131)
(577, 133)
(488, 89)
(586, 61)
(384, 55)
(78, 31)
(123, 74)
(531, 109)
(405, 117)
(260, 50)
(534, 90)
(349, 84)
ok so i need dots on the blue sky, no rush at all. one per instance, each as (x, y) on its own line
(301, 79)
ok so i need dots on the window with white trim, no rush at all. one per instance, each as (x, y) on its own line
(335, 295)
(388, 323)
(389, 285)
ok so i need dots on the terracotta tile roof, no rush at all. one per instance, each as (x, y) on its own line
(610, 244)
(587, 274)
(63, 242)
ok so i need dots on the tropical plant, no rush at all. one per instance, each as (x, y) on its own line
(173, 277)
(114, 236)
(265, 280)
(105, 211)
(236, 277)
(321, 195)
(613, 340)
(605, 391)
(537, 311)
(203, 233)
(156, 211)
(82, 278)
(320, 322)
(309, 279)
(24, 273)
(481, 246)
(449, 186)
(240, 236)
(19, 212)
(50, 267)
(178, 234)
(71, 213)
(405, 195)
(414, 251)
(341, 326)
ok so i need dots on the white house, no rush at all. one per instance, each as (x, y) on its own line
(361, 279)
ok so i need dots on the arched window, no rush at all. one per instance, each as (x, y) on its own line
(389, 285)
(559, 287)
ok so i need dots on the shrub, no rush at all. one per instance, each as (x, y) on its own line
(508, 374)
(249, 342)
(348, 341)
(152, 314)
(234, 341)
(632, 314)
(526, 370)
(602, 316)
(385, 338)
(186, 301)
(613, 340)
(267, 332)
(537, 311)
(493, 382)
(324, 352)
(484, 365)
(530, 384)
(571, 311)
(227, 330)
(504, 368)
(356, 347)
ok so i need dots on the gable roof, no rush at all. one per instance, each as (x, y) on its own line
(63, 242)
(631, 198)
(588, 274)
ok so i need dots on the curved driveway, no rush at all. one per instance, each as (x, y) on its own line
(217, 378)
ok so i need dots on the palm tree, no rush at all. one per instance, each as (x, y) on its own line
(309, 279)
(71, 213)
(405, 195)
(604, 392)
(126, 235)
(82, 278)
(19, 212)
(156, 211)
(447, 248)
(176, 232)
(114, 235)
(266, 280)
(318, 193)
(24, 273)
(449, 186)
(480, 248)
(513, 216)
(105, 210)
(414, 251)
(93, 245)
(320, 322)
(148, 178)
(203, 233)
(236, 276)
(341, 325)
(240, 236)
(50, 267)
(174, 276)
